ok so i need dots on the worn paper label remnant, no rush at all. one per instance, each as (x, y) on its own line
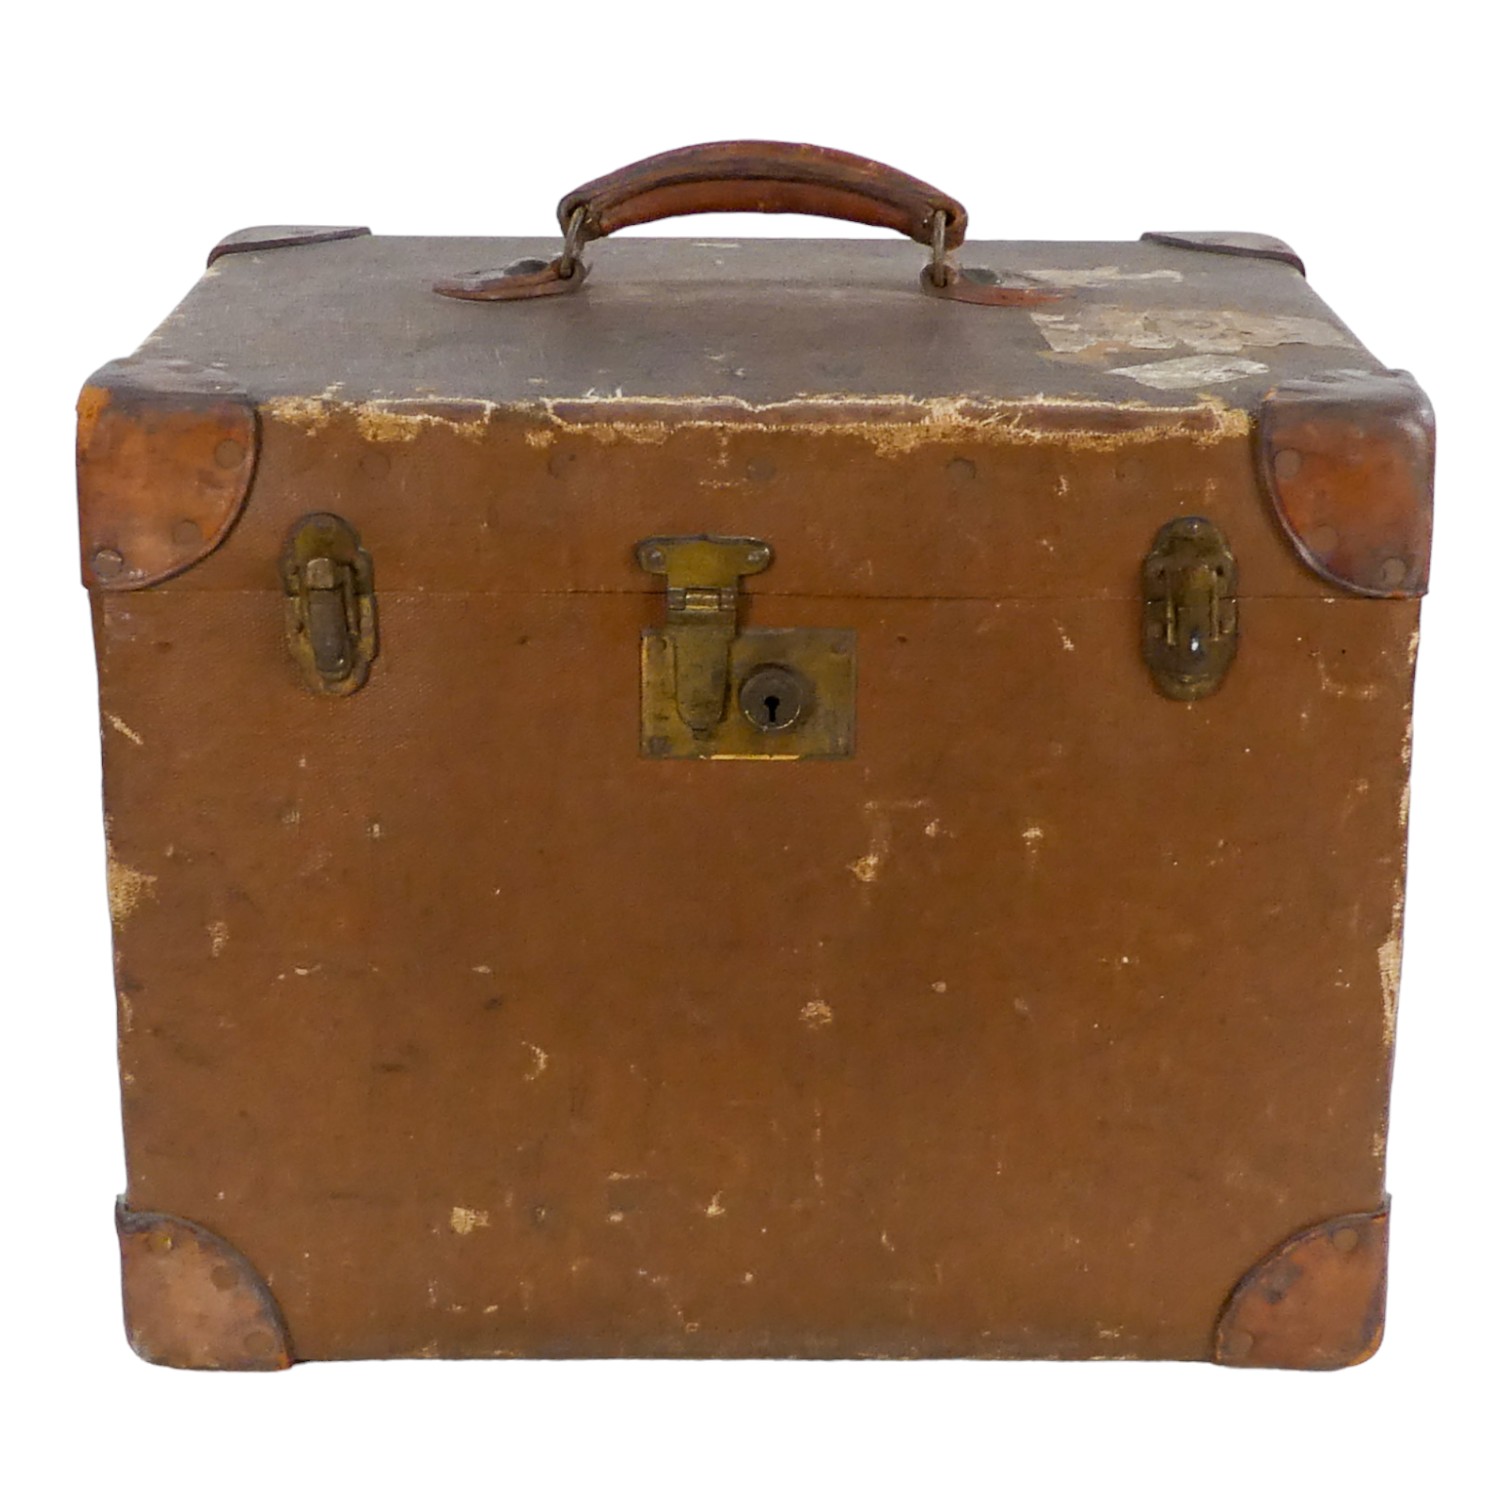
(1100, 278)
(1105, 329)
(1191, 372)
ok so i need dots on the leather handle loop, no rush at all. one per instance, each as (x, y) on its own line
(770, 178)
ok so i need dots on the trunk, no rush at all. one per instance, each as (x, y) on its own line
(464, 1010)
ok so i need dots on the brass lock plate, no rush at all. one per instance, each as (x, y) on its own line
(791, 696)
(714, 690)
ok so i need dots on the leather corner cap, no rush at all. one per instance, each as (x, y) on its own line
(1347, 462)
(1230, 243)
(166, 452)
(1317, 1302)
(270, 238)
(194, 1302)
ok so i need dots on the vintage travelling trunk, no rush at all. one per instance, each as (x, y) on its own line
(790, 797)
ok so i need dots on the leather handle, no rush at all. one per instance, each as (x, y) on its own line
(771, 178)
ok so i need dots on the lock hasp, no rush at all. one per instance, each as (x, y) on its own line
(715, 690)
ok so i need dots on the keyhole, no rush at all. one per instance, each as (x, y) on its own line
(774, 698)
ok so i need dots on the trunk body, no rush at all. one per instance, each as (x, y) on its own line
(1030, 1025)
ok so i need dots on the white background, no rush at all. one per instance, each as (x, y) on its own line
(1373, 138)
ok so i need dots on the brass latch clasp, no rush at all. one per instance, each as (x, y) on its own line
(703, 589)
(330, 617)
(1191, 609)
